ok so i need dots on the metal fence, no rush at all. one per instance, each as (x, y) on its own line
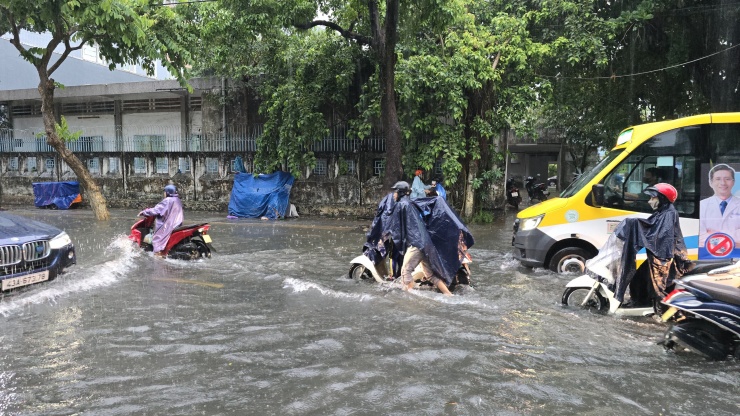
(169, 139)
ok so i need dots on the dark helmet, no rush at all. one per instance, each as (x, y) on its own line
(402, 187)
(170, 190)
(665, 189)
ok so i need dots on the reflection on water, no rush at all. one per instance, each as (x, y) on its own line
(271, 325)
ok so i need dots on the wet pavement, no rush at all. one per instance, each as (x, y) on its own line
(272, 325)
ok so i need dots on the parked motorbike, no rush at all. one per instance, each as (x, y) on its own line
(362, 268)
(188, 242)
(535, 190)
(512, 194)
(709, 321)
(591, 290)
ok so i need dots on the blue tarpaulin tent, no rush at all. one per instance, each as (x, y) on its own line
(59, 194)
(260, 196)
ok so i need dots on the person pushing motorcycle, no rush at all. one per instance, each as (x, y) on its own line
(169, 215)
(660, 235)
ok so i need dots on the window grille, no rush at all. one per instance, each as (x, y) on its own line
(162, 165)
(149, 143)
(50, 162)
(114, 165)
(183, 164)
(13, 164)
(351, 168)
(139, 165)
(378, 167)
(31, 164)
(211, 165)
(93, 166)
(320, 168)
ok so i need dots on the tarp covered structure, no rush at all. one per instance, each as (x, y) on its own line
(57, 194)
(265, 195)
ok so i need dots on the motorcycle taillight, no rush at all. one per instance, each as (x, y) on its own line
(673, 293)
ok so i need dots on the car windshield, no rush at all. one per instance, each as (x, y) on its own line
(586, 177)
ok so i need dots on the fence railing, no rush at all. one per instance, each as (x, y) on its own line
(169, 139)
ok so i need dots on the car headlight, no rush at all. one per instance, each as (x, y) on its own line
(530, 223)
(61, 240)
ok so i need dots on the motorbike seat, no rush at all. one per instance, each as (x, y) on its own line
(187, 227)
(724, 293)
(706, 266)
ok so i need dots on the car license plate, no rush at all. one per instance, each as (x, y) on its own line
(207, 238)
(515, 194)
(26, 280)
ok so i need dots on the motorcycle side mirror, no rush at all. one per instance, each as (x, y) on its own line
(597, 195)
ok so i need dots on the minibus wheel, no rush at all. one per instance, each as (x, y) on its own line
(570, 260)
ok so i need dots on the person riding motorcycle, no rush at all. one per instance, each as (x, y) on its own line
(410, 238)
(660, 235)
(169, 215)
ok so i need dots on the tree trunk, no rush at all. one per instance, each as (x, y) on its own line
(384, 39)
(92, 191)
(469, 198)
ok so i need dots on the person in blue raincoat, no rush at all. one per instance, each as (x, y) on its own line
(437, 186)
(417, 186)
(169, 216)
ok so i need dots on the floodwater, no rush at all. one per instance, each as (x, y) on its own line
(271, 325)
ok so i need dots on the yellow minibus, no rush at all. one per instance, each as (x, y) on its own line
(563, 232)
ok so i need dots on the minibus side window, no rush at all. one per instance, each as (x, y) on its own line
(672, 157)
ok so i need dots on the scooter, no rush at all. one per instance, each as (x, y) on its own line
(536, 191)
(362, 268)
(591, 290)
(512, 194)
(187, 242)
(709, 321)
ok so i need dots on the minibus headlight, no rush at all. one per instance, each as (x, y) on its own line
(530, 223)
(60, 241)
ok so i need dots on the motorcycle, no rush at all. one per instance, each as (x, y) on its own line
(536, 191)
(591, 290)
(187, 242)
(363, 269)
(709, 316)
(512, 194)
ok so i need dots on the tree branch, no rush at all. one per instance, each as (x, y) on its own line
(67, 50)
(361, 39)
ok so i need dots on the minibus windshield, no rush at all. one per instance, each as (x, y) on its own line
(586, 177)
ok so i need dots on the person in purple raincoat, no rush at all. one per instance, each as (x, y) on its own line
(169, 216)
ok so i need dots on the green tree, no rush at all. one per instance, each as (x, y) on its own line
(126, 32)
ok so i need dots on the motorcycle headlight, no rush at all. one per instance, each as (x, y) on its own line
(530, 223)
(61, 240)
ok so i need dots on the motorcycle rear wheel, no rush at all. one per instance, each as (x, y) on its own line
(359, 272)
(701, 337)
(574, 296)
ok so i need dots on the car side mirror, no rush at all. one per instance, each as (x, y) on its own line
(597, 195)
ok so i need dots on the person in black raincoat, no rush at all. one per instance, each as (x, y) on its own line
(660, 235)
(424, 231)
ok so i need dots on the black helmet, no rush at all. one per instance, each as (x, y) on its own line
(402, 188)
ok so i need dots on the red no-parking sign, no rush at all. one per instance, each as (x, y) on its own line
(720, 245)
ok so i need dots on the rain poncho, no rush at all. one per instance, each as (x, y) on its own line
(169, 216)
(660, 235)
(441, 191)
(417, 188)
(427, 224)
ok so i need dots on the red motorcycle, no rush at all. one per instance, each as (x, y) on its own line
(187, 242)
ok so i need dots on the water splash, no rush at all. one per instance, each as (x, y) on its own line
(302, 286)
(73, 281)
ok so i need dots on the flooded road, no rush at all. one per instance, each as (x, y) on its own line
(271, 325)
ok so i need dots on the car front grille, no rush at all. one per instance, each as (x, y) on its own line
(10, 255)
(36, 250)
(33, 251)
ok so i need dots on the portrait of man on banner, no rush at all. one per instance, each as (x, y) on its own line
(719, 213)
